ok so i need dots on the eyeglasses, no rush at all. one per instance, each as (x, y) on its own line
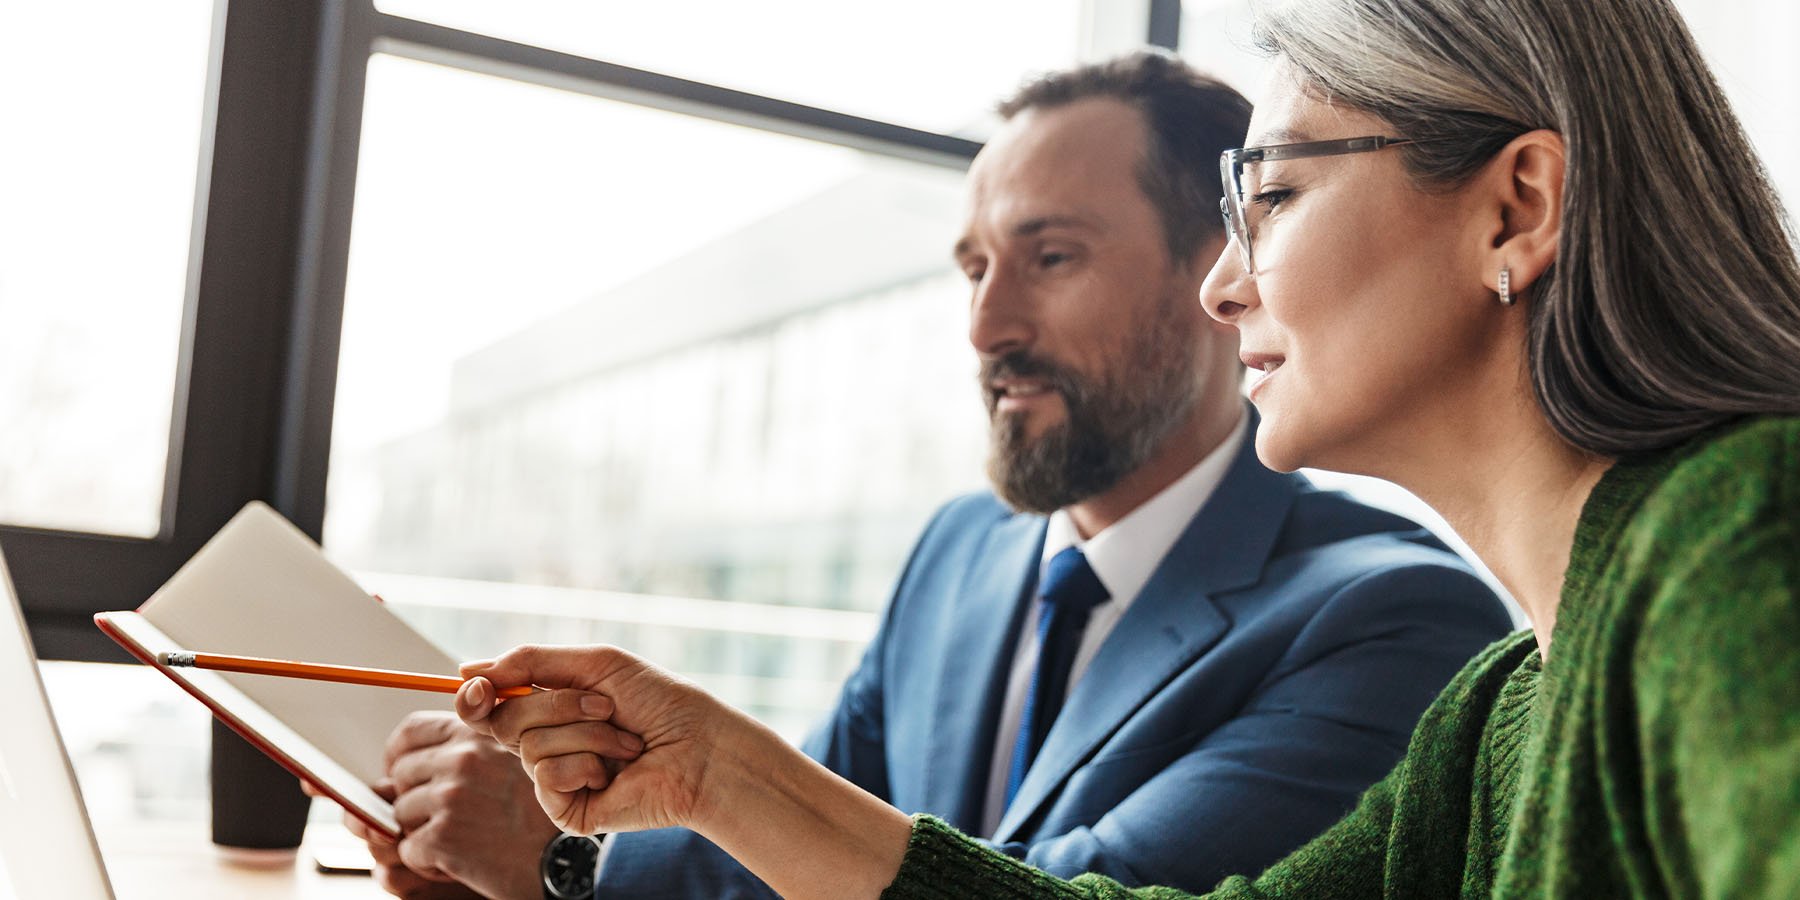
(1239, 226)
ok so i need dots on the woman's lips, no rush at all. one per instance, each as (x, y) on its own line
(1266, 363)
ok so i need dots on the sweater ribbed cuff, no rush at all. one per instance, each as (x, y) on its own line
(942, 863)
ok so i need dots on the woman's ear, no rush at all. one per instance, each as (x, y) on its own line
(1524, 184)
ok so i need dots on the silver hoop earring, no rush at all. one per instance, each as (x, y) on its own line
(1506, 295)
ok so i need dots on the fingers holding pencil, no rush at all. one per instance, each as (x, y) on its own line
(573, 707)
(594, 696)
(284, 668)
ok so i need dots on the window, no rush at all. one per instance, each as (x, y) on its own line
(138, 743)
(94, 233)
(931, 64)
(1215, 38)
(1746, 42)
(642, 378)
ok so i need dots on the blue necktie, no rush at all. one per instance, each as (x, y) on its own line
(1070, 591)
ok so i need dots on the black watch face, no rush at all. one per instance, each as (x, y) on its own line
(569, 866)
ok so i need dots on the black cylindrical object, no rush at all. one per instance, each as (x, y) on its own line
(256, 804)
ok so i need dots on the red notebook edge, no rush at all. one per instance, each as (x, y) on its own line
(104, 622)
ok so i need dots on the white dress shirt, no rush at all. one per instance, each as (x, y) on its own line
(1123, 556)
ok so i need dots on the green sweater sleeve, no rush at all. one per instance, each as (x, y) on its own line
(1349, 860)
(1718, 674)
(1345, 861)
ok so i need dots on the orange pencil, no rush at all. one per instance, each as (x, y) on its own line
(255, 665)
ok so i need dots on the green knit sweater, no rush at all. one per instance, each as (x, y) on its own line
(1656, 754)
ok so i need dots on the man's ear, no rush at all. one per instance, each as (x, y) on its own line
(1522, 192)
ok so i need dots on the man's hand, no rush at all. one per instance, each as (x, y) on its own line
(467, 815)
(392, 875)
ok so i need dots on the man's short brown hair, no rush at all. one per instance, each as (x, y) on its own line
(1190, 119)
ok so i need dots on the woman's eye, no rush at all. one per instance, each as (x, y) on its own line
(1268, 200)
(974, 275)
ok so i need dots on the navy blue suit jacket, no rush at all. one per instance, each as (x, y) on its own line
(1272, 668)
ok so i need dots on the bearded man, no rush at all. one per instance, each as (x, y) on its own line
(1142, 640)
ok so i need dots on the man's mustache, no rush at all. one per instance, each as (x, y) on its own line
(1020, 364)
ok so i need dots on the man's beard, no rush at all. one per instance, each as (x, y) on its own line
(1113, 423)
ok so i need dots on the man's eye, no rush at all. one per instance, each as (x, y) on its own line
(974, 275)
(1049, 260)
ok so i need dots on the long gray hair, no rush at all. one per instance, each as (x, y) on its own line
(1674, 301)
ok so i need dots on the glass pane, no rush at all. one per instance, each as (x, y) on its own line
(96, 206)
(140, 747)
(1215, 38)
(932, 64)
(616, 374)
(1749, 45)
(138, 743)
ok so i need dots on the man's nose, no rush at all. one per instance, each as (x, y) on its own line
(999, 316)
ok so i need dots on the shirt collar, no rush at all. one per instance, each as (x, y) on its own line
(1126, 553)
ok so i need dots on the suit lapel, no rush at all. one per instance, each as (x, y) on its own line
(1170, 624)
(978, 652)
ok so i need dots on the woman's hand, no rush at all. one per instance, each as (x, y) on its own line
(603, 704)
(702, 765)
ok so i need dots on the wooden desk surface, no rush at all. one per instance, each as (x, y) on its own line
(179, 860)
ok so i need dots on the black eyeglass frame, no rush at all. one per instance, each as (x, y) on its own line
(1231, 172)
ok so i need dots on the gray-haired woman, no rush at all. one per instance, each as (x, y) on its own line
(1517, 256)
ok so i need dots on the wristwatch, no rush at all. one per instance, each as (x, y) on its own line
(569, 866)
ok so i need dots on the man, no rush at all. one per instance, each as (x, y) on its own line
(1225, 659)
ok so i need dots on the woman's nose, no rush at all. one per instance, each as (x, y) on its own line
(1228, 291)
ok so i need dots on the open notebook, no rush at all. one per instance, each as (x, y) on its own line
(47, 846)
(261, 587)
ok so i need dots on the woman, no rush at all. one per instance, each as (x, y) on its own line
(1517, 256)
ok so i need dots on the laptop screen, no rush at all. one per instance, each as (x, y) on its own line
(47, 846)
